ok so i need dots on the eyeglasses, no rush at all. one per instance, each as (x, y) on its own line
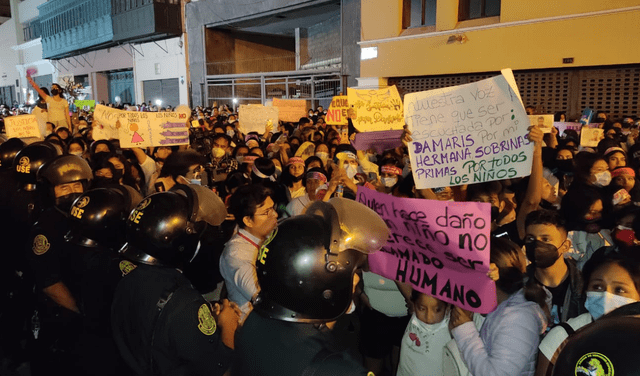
(267, 213)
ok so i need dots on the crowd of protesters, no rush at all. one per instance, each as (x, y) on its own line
(563, 252)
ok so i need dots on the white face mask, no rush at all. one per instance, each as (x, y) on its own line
(431, 327)
(77, 153)
(603, 178)
(599, 303)
(231, 133)
(389, 182)
(351, 171)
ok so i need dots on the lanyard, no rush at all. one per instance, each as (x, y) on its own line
(249, 240)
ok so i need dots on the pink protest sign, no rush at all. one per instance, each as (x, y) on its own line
(441, 248)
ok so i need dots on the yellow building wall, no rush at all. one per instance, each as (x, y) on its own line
(604, 39)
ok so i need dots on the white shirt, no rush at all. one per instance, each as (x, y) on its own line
(238, 268)
(423, 347)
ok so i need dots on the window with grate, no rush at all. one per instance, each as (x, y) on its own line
(614, 90)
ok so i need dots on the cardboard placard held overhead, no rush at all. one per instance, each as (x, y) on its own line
(441, 248)
(590, 137)
(290, 109)
(376, 110)
(107, 115)
(338, 111)
(254, 117)
(544, 122)
(22, 126)
(468, 134)
(144, 129)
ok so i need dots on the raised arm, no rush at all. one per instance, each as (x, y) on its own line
(533, 195)
(42, 94)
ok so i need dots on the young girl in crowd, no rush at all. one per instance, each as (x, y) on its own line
(507, 343)
(425, 337)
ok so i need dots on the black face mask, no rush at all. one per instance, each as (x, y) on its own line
(495, 213)
(117, 175)
(542, 255)
(102, 182)
(64, 202)
(564, 165)
(55, 92)
(592, 226)
(296, 179)
(600, 120)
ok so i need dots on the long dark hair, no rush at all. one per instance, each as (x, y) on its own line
(511, 263)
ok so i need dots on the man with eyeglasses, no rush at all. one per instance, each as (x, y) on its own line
(253, 209)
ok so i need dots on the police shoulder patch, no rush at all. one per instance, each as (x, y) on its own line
(40, 245)
(594, 363)
(126, 267)
(206, 322)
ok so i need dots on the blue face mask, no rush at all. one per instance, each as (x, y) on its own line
(599, 303)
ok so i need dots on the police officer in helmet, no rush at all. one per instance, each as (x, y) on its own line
(307, 274)
(96, 234)
(57, 322)
(161, 324)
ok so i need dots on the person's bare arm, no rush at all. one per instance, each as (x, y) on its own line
(42, 94)
(533, 195)
(140, 155)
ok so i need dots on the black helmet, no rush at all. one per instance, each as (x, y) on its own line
(64, 169)
(8, 151)
(306, 271)
(607, 346)
(165, 228)
(29, 160)
(98, 217)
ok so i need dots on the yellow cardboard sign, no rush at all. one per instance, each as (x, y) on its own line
(338, 111)
(290, 109)
(22, 126)
(376, 110)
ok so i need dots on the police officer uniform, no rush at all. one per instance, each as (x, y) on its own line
(55, 327)
(306, 274)
(161, 324)
(173, 332)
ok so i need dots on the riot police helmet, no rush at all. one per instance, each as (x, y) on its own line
(305, 269)
(97, 217)
(28, 161)
(64, 169)
(165, 228)
(8, 151)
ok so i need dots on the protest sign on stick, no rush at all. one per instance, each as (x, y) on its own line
(22, 126)
(254, 117)
(441, 248)
(468, 134)
(376, 110)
